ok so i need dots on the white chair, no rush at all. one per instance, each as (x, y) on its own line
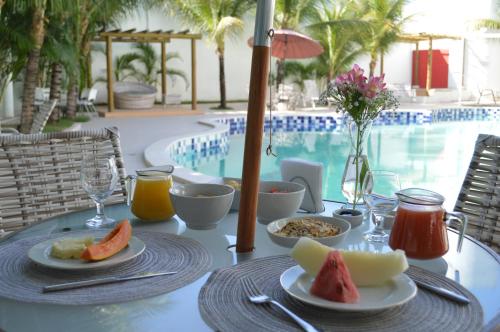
(87, 99)
(484, 91)
(41, 95)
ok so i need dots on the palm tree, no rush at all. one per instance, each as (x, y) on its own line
(35, 13)
(15, 44)
(292, 15)
(59, 51)
(37, 34)
(298, 72)
(339, 29)
(150, 61)
(217, 19)
(386, 20)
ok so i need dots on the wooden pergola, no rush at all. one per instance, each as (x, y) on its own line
(146, 36)
(416, 39)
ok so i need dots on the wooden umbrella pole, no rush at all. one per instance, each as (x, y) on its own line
(255, 127)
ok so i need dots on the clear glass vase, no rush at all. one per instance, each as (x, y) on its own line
(356, 165)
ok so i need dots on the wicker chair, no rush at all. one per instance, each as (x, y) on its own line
(42, 116)
(479, 197)
(40, 174)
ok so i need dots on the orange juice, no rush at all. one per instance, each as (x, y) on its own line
(151, 200)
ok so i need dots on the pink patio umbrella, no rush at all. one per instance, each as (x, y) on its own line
(289, 44)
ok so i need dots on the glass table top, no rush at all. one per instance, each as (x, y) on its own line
(475, 268)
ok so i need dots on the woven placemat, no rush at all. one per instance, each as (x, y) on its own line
(224, 306)
(22, 280)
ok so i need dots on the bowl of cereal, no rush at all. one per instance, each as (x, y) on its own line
(326, 230)
(235, 183)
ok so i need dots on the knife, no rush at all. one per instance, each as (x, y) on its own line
(443, 292)
(100, 281)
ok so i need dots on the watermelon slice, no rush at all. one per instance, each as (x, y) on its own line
(333, 282)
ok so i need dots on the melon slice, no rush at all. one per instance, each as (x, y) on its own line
(112, 243)
(366, 268)
(333, 282)
(70, 247)
(371, 269)
(310, 254)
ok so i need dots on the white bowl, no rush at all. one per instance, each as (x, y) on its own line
(289, 241)
(237, 193)
(346, 214)
(201, 205)
(284, 203)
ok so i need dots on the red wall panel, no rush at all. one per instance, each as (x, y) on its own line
(439, 69)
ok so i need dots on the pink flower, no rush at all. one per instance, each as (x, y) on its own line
(342, 79)
(374, 87)
(357, 71)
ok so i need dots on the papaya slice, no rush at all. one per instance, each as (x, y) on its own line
(111, 244)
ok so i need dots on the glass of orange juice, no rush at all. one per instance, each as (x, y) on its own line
(149, 199)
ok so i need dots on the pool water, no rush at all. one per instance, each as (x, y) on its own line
(433, 156)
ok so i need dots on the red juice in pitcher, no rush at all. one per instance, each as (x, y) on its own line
(419, 230)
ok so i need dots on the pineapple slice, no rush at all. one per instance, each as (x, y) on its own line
(70, 248)
(366, 268)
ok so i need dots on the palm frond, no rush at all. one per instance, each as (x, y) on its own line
(486, 23)
(227, 27)
(172, 73)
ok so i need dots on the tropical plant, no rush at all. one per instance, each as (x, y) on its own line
(298, 72)
(488, 23)
(386, 20)
(15, 43)
(218, 20)
(59, 53)
(142, 65)
(291, 15)
(338, 28)
(34, 11)
(149, 65)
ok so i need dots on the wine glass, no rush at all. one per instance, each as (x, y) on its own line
(379, 193)
(99, 177)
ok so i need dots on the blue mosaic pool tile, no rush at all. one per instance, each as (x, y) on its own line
(215, 146)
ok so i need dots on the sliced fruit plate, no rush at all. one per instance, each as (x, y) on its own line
(399, 290)
(40, 254)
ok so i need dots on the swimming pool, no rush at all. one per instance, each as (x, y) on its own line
(429, 154)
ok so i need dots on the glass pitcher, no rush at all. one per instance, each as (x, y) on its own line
(420, 224)
(148, 194)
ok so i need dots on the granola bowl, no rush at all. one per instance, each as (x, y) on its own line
(329, 231)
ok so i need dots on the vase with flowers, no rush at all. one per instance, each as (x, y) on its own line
(361, 99)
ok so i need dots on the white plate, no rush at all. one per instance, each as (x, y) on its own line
(395, 292)
(40, 254)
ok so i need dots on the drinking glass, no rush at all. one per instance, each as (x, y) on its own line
(379, 193)
(99, 177)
